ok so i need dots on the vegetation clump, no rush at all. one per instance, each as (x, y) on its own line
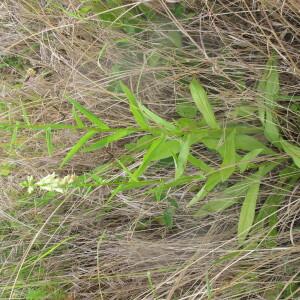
(149, 150)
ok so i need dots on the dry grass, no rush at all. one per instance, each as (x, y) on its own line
(106, 251)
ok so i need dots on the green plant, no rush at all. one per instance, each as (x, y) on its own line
(238, 147)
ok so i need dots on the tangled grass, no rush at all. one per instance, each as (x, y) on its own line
(122, 231)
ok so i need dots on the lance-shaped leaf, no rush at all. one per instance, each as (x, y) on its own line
(134, 107)
(89, 115)
(201, 100)
(292, 150)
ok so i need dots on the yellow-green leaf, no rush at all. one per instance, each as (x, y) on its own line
(247, 213)
(201, 100)
(89, 115)
(115, 136)
(183, 156)
(248, 158)
(82, 141)
(134, 107)
(148, 157)
(292, 150)
(157, 119)
(229, 154)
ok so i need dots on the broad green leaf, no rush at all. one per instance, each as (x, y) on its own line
(249, 143)
(183, 156)
(141, 144)
(248, 210)
(268, 88)
(172, 147)
(214, 206)
(199, 163)
(213, 180)
(89, 115)
(157, 119)
(117, 135)
(50, 145)
(229, 155)
(266, 167)
(82, 141)
(186, 124)
(200, 98)
(244, 111)
(272, 83)
(291, 150)
(270, 128)
(148, 157)
(134, 107)
(212, 143)
(248, 158)
(226, 169)
(186, 110)
(166, 149)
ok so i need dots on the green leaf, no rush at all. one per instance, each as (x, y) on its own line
(82, 141)
(134, 107)
(270, 128)
(226, 169)
(272, 83)
(50, 145)
(213, 180)
(248, 211)
(116, 136)
(215, 206)
(148, 157)
(292, 151)
(186, 110)
(172, 147)
(166, 149)
(229, 154)
(244, 111)
(13, 139)
(268, 88)
(77, 118)
(199, 163)
(157, 119)
(248, 158)
(89, 115)
(249, 143)
(201, 100)
(183, 156)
